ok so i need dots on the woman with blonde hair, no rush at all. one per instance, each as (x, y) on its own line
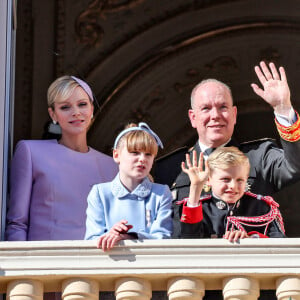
(50, 179)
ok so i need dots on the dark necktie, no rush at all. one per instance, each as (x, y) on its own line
(208, 151)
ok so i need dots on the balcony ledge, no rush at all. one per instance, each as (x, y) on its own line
(156, 260)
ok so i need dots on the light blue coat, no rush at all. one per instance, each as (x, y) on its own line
(147, 208)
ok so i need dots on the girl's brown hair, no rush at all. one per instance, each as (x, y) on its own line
(138, 140)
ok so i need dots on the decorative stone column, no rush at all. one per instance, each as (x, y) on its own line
(288, 288)
(240, 288)
(80, 288)
(25, 290)
(186, 288)
(133, 289)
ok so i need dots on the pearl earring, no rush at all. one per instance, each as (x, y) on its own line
(54, 128)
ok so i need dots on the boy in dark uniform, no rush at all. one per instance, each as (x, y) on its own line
(229, 211)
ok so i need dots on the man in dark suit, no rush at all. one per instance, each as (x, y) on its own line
(213, 115)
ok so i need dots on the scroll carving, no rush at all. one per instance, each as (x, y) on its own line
(270, 54)
(222, 63)
(88, 30)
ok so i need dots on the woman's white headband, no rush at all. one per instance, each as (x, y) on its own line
(141, 127)
(85, 87)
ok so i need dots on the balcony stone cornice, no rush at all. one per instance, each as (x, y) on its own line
(158, 261)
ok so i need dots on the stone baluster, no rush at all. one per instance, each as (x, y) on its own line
(288, 288)
(133, 289)
(240, 288)
(185, 288)
(80, 288)
(26, 289)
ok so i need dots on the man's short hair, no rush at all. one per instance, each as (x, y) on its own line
(204, 81)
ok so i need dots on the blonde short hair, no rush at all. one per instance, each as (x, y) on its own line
(61, 89)
(226, 157)
(138, 140)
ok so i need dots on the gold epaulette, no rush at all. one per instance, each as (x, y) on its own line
(290, 133)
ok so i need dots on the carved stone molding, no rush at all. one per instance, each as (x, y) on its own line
(88, 30)
(60, 37)
(158, 89)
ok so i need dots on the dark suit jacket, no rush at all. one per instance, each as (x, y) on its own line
(272, 169)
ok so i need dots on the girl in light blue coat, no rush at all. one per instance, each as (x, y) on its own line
(130, 206)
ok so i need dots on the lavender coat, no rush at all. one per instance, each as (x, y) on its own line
(49, 184)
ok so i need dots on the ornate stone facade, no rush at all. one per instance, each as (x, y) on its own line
(142, 58)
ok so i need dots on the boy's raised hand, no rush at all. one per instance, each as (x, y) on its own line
(195, 170)
(198, 176)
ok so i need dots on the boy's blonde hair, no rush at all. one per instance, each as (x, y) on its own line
(138, 140)
(226, 157)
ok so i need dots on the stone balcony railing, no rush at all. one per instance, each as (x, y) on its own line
(185, 269)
